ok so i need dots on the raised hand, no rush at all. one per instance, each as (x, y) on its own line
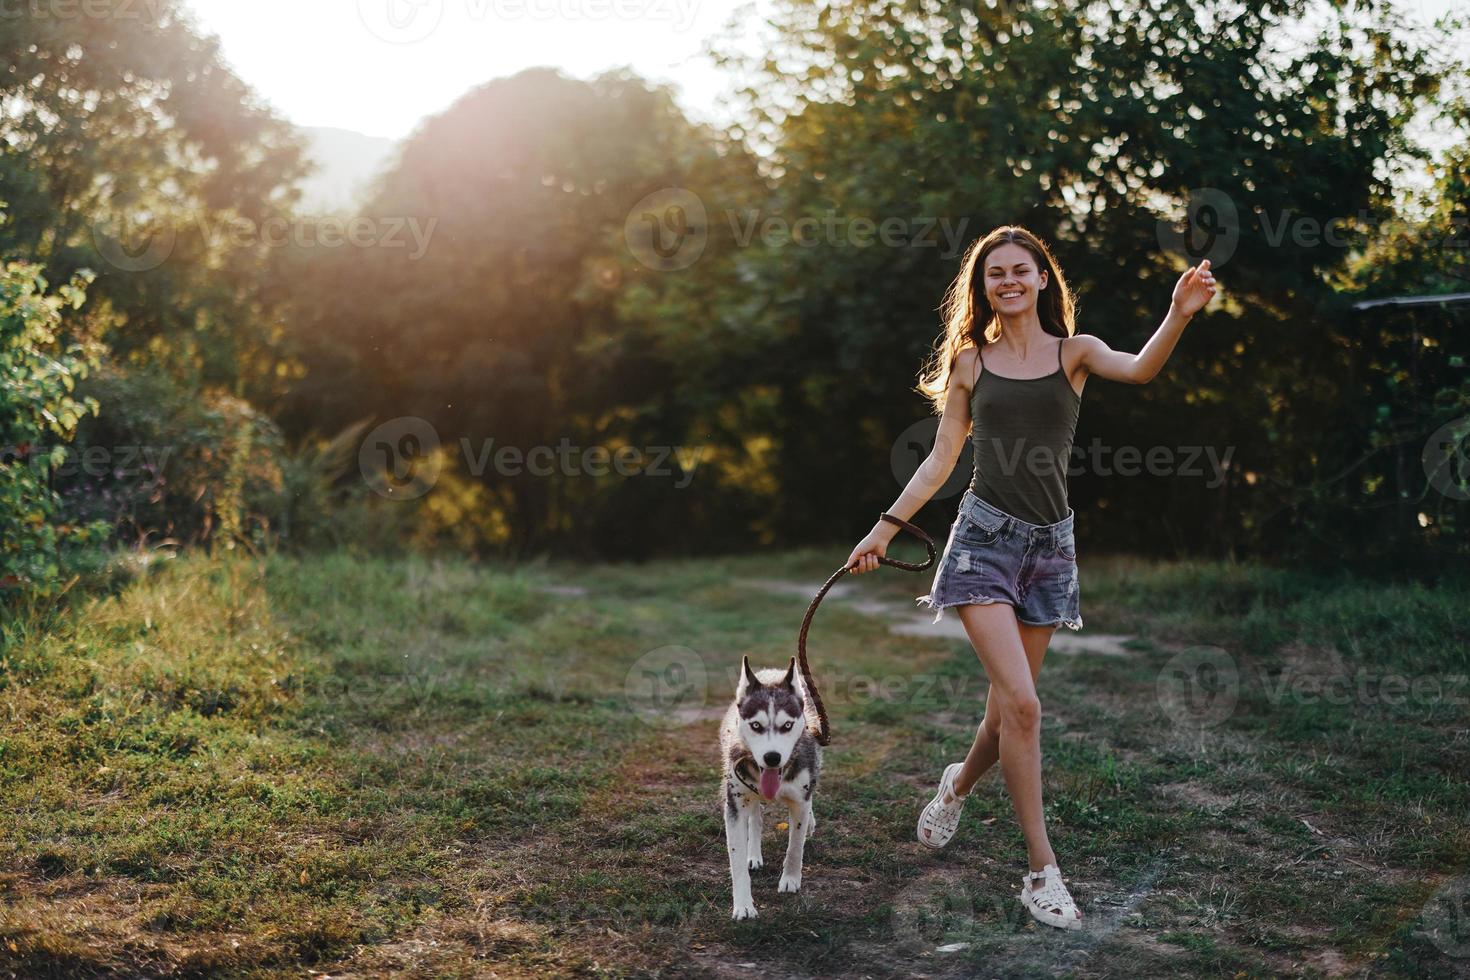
(1194, 289)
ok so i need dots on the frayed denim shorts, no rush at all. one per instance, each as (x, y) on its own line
(992, 556)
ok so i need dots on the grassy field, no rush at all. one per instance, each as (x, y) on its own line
(363, 767)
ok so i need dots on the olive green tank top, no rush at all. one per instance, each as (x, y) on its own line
(1022, 431)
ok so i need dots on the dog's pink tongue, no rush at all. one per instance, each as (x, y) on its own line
(770, 783)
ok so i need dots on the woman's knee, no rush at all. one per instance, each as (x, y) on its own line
(1021, 713)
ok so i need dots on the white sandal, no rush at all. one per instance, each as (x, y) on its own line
(938, 821)
(1051, 903)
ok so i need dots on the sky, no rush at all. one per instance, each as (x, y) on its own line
(380, 66)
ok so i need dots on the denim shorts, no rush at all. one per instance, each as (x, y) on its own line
(992, 556)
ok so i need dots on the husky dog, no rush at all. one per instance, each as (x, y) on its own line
(768, 754)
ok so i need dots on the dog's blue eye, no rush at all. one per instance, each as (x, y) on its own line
(787, 727)
(755, 726)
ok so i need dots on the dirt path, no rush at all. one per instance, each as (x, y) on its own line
(907, 621)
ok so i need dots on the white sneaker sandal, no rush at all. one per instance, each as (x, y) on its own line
(938, 821)
(1051, 903)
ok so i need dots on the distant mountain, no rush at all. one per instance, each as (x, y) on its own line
(346, 163)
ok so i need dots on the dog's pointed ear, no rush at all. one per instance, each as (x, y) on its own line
(748, 679)
(790, 679)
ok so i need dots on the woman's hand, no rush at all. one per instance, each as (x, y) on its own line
(864, 557)
(1194, 289)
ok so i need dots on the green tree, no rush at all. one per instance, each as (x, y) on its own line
(128, 146)
(1090, 124)
(38, 413)
(526, 320)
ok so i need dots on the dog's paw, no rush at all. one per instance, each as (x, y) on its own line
(746, 911)
(789, 883)
(756, 863)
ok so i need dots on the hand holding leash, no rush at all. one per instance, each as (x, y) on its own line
(823, 731)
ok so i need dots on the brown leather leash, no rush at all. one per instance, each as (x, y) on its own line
(823, 732)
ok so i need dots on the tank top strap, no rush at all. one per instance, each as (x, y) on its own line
(1059, 352)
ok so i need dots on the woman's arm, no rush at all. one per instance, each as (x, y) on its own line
(949, 442)
(1194, 289)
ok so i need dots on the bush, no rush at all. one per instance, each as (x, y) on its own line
(38, 412)
(161, 461)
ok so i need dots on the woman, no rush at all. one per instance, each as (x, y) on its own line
(1011, 362)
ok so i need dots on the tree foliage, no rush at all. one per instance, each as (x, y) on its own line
(39, 411)
(128, 146)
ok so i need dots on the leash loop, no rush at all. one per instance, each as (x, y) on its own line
(823, 732)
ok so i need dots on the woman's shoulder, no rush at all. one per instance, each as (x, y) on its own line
(1079, 344)
(966, 366)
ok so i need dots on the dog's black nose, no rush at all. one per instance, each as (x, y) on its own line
(773, 759)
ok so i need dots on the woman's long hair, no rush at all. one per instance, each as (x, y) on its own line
(967, 309)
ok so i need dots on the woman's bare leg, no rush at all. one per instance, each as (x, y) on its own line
(996, 636)
(985, 751)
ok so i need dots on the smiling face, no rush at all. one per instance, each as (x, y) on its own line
(1013, 279)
